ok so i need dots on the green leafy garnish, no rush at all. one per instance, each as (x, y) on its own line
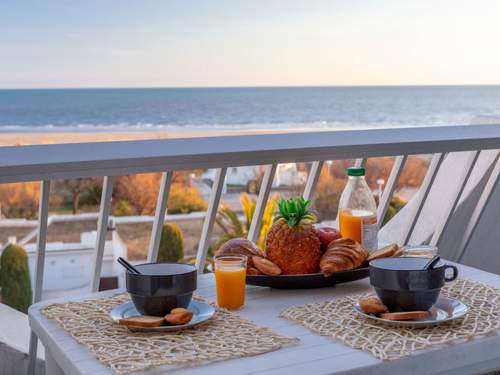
(294, 211)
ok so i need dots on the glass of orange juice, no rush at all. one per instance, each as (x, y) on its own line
(230, 274)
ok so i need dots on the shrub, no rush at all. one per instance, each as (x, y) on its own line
(20, 199)
(140, 190)
(123, 209)
(171, 244)
(184, 199)
(15, 278)
(92, 196)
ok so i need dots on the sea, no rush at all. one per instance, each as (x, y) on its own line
(250, 108)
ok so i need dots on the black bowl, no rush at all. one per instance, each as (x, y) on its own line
(161, 287)
(403, 285)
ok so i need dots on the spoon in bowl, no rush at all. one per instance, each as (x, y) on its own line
(432, 262)
(128, 266)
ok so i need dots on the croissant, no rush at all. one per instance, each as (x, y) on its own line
(342, 255)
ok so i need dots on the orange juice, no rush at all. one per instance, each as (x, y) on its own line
(230, 274)
(354, 224)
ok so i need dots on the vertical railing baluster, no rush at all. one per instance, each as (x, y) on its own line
(161, 208)
(208, 224)
(448, 212)
(102, 229)
(385, 199)
(312, 179)
(260, 207)
(361, 162)
(482, 203)
(421, 197)
(43, 212)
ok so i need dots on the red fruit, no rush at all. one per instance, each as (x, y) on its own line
(327, 235)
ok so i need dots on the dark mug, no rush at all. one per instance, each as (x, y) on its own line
(402, 283)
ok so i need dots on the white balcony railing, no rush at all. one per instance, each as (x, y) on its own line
(49, 162)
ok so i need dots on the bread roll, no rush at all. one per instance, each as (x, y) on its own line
(406, 315)
(385, 252)
(372, 305)
(142, 321)
(266, 266)
(240, 246)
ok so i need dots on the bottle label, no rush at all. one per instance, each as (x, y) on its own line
(369, 235)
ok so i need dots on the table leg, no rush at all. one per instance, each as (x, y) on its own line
(51, 366)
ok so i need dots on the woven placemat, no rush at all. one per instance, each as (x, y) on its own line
(223, 337)
(337, 319)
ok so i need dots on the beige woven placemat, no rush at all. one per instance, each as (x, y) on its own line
(225, 336)
(337, 319)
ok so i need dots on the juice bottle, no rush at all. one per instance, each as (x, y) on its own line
(358, 210)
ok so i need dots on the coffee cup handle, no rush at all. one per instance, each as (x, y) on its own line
(455, 272)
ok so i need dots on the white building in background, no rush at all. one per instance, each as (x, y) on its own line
(286, 175)
(238, 176)
(68, 266)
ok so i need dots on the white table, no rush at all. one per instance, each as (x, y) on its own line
(313, 355)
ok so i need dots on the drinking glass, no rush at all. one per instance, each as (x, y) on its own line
(230, 274)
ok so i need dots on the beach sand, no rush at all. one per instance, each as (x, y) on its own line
(24, 139)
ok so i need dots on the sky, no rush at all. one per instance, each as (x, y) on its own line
(170, 43)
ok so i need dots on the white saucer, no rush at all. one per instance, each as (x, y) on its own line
(201, 312)
(445, 310)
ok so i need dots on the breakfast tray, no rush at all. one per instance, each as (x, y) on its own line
(225, 336)
(337, 319)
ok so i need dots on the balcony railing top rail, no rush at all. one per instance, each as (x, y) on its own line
(44, 162)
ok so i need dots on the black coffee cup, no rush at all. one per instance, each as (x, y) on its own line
(161, 287)
(402, 283)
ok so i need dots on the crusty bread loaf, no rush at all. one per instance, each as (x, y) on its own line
(143, 321)
(405, 315)
(342, 255)
(240, 246)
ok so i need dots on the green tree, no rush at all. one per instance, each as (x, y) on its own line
(171, 244)
(15, 278)
(74, 189)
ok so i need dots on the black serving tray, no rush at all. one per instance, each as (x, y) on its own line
(307, 281)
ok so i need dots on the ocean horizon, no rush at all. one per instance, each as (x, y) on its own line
(245, 108)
